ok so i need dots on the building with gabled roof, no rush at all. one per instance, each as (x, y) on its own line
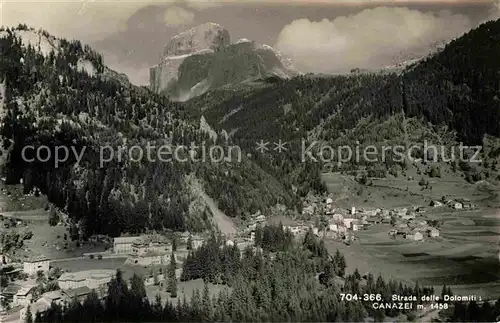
(10, 291)
(433, 232)
(23, 296)
(79, 293)
(149, 258)
(415, 236)
(90, 278)
(44, 303)
(36, 264)
(124, 244)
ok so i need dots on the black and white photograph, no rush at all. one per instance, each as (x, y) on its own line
(249, 161)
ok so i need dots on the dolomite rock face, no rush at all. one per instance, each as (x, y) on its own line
(203, 39)
(209, 36)
(203, 58)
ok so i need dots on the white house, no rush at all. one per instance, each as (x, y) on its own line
(242, 245)
(44, 303)
(433, 232)
(34, 265)
(198, 241)
(348, 221)
(93, 279)
(436, 203)
(184, 236)
(416, 236)
(154, 243)
(410, 216)
(337, 218)
(124, 244)
(24, 296)
(260, 218)
(294, 229)
(308, 210)
(373, 212)
(149, 258)
(400, 211)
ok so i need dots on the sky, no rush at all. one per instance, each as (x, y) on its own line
(321, 36)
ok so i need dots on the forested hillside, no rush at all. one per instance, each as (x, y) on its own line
(450, 97)
(65, 95)
(59, 93)
(286, 280)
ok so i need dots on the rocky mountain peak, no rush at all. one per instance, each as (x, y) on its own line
(204, 58)
(207, 36)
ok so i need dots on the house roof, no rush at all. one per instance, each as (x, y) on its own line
(86, 274)
(77, 292)
(37, 259)
(53, 295)
(126, 239)
(152, 238)
(151, 253)
(41, 305)
(24, 291)
(11, 289)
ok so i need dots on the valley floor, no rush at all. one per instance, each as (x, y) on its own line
(465, 256)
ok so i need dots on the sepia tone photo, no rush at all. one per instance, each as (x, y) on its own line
(249, 161)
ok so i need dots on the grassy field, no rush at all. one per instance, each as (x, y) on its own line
(13, 199)
(46, 240)
(465, 256)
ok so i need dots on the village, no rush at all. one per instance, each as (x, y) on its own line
(151, 253)
(327, 220)
(148, 254)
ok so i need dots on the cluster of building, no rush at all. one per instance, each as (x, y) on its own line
(145, 250)
(414, 230)
(342, 224)
(255, 219)
(457, 204)
(150, 250)
(72, 285)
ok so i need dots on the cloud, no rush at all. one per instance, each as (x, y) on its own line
(96, 19)
(71, 19)
(91, 19)
(205, 4)
(494, 11)
(177, 16)
(367, 39)
(138, 74)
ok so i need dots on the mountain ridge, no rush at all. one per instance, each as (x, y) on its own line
(51, 102)
(203, 57)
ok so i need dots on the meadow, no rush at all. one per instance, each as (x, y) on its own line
(464, 256)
